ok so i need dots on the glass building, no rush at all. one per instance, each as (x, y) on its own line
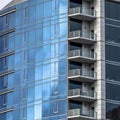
(59, 60)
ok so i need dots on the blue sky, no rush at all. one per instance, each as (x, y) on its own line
(4, 3)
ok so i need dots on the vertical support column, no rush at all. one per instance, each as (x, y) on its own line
(99, 27)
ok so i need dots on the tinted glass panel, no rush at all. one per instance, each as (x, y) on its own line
(112, 10)
(75, 65)
(113, 91)
(112, 111)
(75, 85)
(112, 34)
(75, 3)
(75, 25)
(75, 104)
(112, 53)
(115, 70)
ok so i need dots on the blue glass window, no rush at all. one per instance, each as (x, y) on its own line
(63, 6)
(32, 36)
(46, 91)
(31, 94)
(39, 36)
(30, 113)
(38, 92)
(46, 109)
(46, 33)
(46, 71)
(32, 13)
(47, 9)
(63, 29)
(31, 55)
(39, 53)
(46, 52)
(38, 111)
(38, 73)
(39, 11)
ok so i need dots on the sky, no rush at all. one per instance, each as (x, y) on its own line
(3, 3)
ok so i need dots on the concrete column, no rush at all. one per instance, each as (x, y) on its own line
(99, 27)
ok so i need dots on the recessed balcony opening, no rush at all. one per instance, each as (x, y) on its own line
(81, 110)
(81, 11)
(79, 92)
(82, 37)
(81, 72)
(81, 53)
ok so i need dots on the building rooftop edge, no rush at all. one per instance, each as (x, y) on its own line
(13, 3)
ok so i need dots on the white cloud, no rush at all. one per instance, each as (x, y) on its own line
(3, 3)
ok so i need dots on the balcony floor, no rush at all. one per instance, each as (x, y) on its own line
(81, 98)
(82, 59)
(80, 16)
(79, 117)
(80, 78)
(82, 40)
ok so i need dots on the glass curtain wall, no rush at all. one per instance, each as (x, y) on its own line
(112, 47)
(39, 61)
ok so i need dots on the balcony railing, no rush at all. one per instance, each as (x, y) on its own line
(83, 35)
(73, 53)
(83, 11)
(79, 92)
(83, 73)
(82, 113)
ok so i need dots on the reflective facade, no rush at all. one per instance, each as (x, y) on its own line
(112, 47)
(33, 61)
(59, 60)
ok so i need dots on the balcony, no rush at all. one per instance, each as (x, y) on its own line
(80, 13)
(77, 114)
(82, 37)
(82, 56)
(81, 75)
(80, 95)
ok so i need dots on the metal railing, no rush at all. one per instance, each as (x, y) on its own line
(82, 34)
(75, 92)
(81, 112)
(83, 11)
(82, 73)
(83, 53)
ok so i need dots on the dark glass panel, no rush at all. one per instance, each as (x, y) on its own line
(75, 46)
(112, 111)
(112, 9)
(75, 65)
(75, 3)
(115, 70)
(75, 25)
(112, 53)
(75, 85)
(112, 34)
(112, 91)
(75, 104)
